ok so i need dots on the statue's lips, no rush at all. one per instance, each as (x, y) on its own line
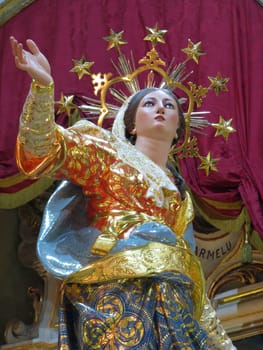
(159, 118)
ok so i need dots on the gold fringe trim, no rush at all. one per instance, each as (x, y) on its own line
(10, 8)
(14, 200)
(12, 180)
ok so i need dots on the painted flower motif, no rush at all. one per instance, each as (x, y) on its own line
(117, 330)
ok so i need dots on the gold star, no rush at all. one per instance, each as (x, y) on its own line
(66, 104)
(155, 35)
(193, 51)
(218, 83)
(223, 127)
(208, 163)
(115, 40)
(81, 67)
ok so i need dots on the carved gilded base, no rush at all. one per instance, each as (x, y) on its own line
(241, 311)
(235, 287)
(46, 327)
(237, 293)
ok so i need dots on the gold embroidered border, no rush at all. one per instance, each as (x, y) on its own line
(146, 261)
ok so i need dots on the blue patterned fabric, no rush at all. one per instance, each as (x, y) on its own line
(145, 313)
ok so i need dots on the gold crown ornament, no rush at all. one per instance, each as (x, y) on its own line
(150, 67)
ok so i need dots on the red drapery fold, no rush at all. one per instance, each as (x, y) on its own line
(230, 32)
(241, 158)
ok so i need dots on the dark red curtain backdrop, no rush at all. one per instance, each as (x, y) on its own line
(231, 35)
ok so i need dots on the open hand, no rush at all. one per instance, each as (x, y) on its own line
(32, 61)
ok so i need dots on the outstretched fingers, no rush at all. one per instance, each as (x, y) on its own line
(32, 46)
(18, 52)
(14, 46)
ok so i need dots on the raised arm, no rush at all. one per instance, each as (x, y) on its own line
(39, 145)
(44, 148)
